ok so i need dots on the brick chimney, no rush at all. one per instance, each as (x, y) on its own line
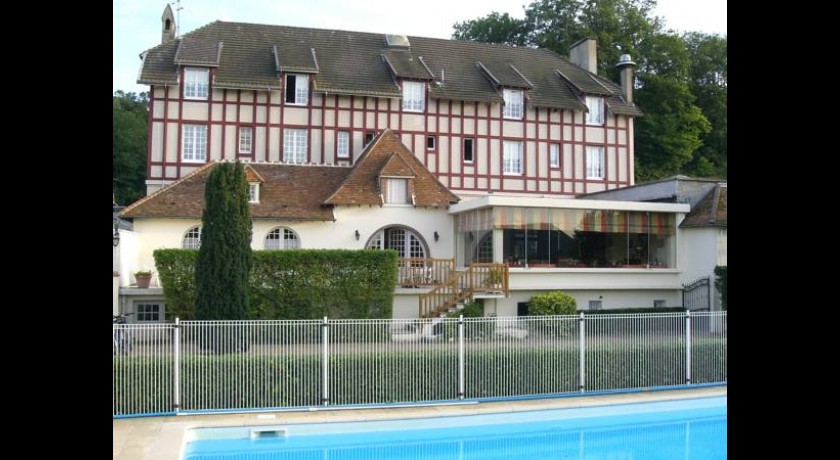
(585, 54)
(625, 66)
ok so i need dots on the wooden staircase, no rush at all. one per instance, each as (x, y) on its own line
(479, 280)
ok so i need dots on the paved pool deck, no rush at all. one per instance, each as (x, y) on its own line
(162, 438)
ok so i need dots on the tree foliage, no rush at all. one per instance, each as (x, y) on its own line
(130, 131)
(680, 80)
(224, 258)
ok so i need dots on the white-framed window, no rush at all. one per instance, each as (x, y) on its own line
(254, 192)
(246, 139)
(192, 239)
(148, 312)
(405, 241)
(595, 304)
(469, 152)
(396, 191)
(595, 110)
(513, 103)
(594, 162)
(414, 96)
(431, 141)
(194, 143)
(512, 157)
(196, 83)
(343, 145)
(282, 238)
(554, 155)
(294, 146)
(297, 89)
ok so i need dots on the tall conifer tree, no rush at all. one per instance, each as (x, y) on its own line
(224, 258)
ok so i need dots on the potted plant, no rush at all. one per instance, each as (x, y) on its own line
(494, 279)
(143, 277)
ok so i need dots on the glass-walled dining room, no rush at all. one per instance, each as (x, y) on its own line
(568, 238)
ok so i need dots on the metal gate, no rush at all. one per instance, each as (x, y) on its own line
(697, 295)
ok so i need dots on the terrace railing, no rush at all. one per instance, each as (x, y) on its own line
(240, 366)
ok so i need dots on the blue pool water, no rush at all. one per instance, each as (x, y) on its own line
(689, 429)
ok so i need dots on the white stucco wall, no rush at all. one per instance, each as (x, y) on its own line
(151, 234)
(699, 253)
(610, 299)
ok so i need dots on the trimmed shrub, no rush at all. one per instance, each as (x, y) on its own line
(552, 303)
(295, 284)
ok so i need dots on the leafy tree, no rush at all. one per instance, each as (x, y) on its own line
(130, 131)
(224, 258)
(707, 81)
(684, 133)
(495, 28)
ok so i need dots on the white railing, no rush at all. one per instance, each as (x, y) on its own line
(240, 366)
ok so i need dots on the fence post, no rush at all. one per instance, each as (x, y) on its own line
(325, 363)
(461, 363)
(176, 372)
(688, 347)
(582, 346)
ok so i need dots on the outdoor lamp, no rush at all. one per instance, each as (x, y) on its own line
(116, 236)
(436, 235)
(357, 235)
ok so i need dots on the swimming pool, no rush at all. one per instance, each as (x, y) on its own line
(688, 429)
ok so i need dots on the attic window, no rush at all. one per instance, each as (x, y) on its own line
(595, 113)
(297, 89)
(513, 104)
(254, 192)
(196, 82)
(396, 191)
(414, 96)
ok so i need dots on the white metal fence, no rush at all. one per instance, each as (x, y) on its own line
(237, 366)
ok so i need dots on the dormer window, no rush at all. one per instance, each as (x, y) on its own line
(196, 83)
(414, 96)
(513, 103)
(297, 89)
(254, 192)
(396, 190)
(595, 113)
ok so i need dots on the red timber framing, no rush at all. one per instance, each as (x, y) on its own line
(450, 122)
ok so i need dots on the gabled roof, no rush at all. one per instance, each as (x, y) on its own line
(287, 192)
(305, 192)
(386, 153)
(361, 63)
(710, 211)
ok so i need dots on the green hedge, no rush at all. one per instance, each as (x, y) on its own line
(295, 284)
(261, 381)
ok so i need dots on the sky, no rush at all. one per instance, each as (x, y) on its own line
(137, 23)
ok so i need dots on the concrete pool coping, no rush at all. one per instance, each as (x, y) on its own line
(162, 438)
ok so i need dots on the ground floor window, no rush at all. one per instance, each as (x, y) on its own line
(148, 312)
(574, 238)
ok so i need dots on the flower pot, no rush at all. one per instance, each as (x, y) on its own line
(143, 281)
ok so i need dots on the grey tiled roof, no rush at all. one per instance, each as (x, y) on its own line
(361, 63)
(198, 52)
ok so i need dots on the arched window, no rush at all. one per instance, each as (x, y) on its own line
(192, 240)
(405, 241)
(166, 24)
(484, 250)
(282, 238)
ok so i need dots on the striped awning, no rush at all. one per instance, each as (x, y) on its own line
(568, 220)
